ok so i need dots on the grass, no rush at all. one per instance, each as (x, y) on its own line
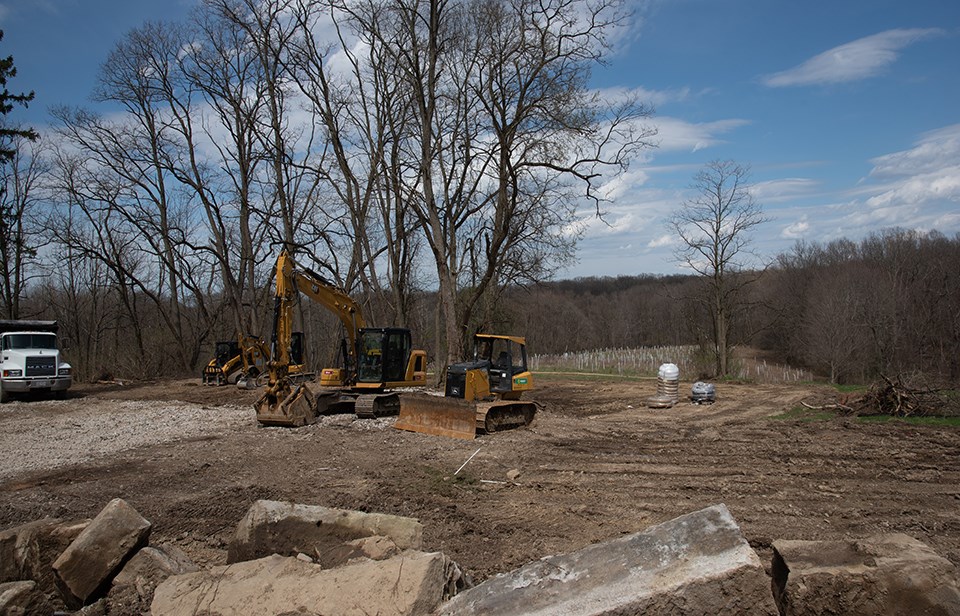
(445, 483)
(801, 413)
(946, 422)
(848, 389)
(556, 375)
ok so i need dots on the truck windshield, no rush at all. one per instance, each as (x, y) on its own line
(30, 341)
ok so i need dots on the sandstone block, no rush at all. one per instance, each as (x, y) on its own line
(84, 570)
(133, 588)
(695, 564)
(884, 574)
(28, 551)
(413, 583)
(23, 598)
(272, 527)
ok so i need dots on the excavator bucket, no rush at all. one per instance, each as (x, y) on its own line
(299, 408)
(436, 415)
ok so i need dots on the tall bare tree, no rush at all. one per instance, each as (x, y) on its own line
(220, 158)
(714, 227)
(21, 201)
(506, 135)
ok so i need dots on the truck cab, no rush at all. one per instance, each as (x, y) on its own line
(30, 359)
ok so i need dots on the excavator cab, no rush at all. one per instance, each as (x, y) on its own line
(385, 356)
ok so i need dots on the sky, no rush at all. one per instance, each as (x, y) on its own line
(847, 112)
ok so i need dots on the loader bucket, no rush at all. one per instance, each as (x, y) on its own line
(437, 415)
(295, 410)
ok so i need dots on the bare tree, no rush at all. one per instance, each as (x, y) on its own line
(220, 158)
(21, 202)
(715, 227)
(506, 136)
(360, 107)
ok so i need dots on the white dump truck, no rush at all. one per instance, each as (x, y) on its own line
(30, 360)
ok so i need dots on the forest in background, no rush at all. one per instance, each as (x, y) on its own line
(846, 311)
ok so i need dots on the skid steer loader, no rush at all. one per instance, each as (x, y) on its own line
(234, 360)
(481, 395)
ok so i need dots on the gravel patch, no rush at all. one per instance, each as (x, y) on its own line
(40, 436)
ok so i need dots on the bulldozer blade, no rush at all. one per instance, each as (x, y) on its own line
(297, 409)
(437, 416)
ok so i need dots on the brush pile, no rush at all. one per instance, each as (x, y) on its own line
(896, 398)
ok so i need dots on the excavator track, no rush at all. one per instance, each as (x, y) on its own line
(371, 406)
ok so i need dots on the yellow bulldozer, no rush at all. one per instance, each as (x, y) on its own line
(236, 360)
(481, 395)
(374, 360)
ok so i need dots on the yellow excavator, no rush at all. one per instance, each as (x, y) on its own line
(375, 360)
(235, 360)
(481, 395)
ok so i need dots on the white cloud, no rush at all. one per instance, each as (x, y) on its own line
(859, 59)
(940, 185)
(621, 185)
(796, 230)
(929, 172)
(928, 154)
(663, 241)
(644, 95)
(784, 189)
(678, 135)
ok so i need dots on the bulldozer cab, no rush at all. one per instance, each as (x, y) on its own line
(506, 356)
(383, 354)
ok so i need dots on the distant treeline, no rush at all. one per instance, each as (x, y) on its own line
(849, 311)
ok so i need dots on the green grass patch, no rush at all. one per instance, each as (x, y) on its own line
(445, 483)
(587, 376)
(802, 413)
(947, 422)
(847, 389)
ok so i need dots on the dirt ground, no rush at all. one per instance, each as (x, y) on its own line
(596, 464)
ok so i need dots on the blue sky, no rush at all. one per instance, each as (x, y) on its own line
(847, 111)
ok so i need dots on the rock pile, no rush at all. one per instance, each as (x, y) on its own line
(289, 558)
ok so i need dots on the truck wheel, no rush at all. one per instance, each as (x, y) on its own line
(4, 396)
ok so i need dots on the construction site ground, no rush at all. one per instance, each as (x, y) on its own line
(596, 464)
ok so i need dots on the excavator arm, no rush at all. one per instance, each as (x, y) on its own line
(282, 404)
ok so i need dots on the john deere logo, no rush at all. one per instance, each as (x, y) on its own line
(520, 381)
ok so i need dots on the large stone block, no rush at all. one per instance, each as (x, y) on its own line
(324, 534)
(132, 589)
(23, 599)
(413, 583)
(884, 574)
(28, 551)
(84, 570)
(695, 564)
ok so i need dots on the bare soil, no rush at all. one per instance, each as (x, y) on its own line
(595, 464)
